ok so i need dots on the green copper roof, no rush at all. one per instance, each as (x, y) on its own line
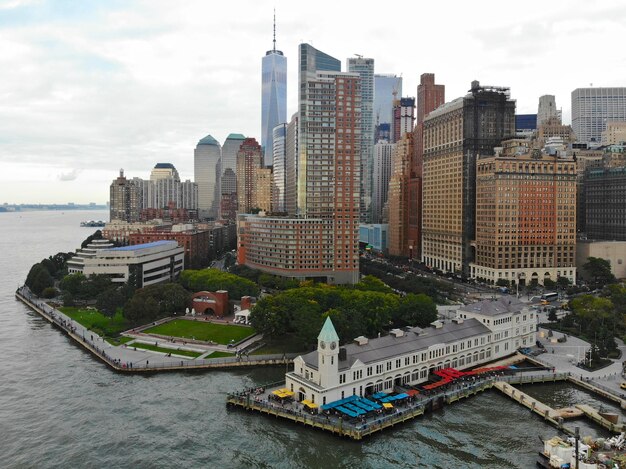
(328, 333)
(235, 137)
(208, 140)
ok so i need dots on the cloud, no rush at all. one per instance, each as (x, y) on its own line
(69, 176)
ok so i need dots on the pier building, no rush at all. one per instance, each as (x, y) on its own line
(481, 333)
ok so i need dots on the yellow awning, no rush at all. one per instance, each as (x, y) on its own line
(309, 404)
(387, 405)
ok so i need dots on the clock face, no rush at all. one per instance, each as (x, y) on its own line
(333, 345)
(322, 344)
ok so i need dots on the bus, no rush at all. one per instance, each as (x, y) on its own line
(547, 298)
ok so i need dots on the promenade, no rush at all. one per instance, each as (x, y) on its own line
(127, 359)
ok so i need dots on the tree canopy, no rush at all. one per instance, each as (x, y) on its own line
(155, 302)
(214, 279)
(302, 311)
(599, 271)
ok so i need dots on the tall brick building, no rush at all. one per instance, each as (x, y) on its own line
(525, 216)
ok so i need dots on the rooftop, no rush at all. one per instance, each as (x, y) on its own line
(153, 244)
(416, 339)
(503, 305)
(235, 137)
(208, 140)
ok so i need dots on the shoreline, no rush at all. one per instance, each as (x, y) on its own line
(133, 361)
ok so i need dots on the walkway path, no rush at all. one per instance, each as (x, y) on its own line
(127, 358)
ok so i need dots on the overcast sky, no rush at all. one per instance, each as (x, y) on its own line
(88, 87)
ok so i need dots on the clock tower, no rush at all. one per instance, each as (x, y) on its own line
(328, 355)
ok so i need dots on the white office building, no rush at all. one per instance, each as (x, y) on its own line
(156, 262)
(593, 108)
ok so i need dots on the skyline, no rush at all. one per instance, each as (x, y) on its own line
(94, 87)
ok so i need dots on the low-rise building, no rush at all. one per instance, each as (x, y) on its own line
(481, 332)
(151, 263)
(77, 262)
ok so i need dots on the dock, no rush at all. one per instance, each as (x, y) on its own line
(355, 430)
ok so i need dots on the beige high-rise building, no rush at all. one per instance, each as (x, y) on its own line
(456, 135)
(525, 217)
(264, 189)
(615, 133)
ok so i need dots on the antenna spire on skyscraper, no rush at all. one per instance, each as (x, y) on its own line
(274, 30)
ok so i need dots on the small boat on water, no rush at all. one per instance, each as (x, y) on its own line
(592, 454)
(92, 223)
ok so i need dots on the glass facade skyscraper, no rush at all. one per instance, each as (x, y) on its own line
(365, 68)
(206, 169)
(273, 97)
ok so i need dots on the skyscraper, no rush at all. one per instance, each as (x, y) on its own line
(291, 166)
(323, 241)
(310, 61)
(386, 88)
(206, 170)
(249, 161)
(273, 96)
(279, 136)
(429, 97)
(124, 200)
(456, 135)
(228, 175)
(547, 109)
(525, 216)
(403, 118)
(365, 69)
(381, 174)
(592, 108)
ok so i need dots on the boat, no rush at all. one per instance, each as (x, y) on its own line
(592, 454)
(92, 223)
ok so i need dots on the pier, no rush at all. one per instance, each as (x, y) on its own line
(252, 400)
(259, 401)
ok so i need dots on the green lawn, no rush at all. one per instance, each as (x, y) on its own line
(154, 348)
(220, 355)
(119, 340)
(94, 320)
(202, 330)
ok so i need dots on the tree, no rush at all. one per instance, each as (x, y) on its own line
(415, 310)
(49, 292)
(549, 284)
(213, 280)
(73, 283)
(599, 270)
(108, 301)
(96, 235)
(38, 279)
(155, 302)
(552, 315)
(563, 282)
(371, 283)
(502, 282)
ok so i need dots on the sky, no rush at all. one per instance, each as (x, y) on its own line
(89, 87)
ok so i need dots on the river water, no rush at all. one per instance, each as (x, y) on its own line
(61, 408)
